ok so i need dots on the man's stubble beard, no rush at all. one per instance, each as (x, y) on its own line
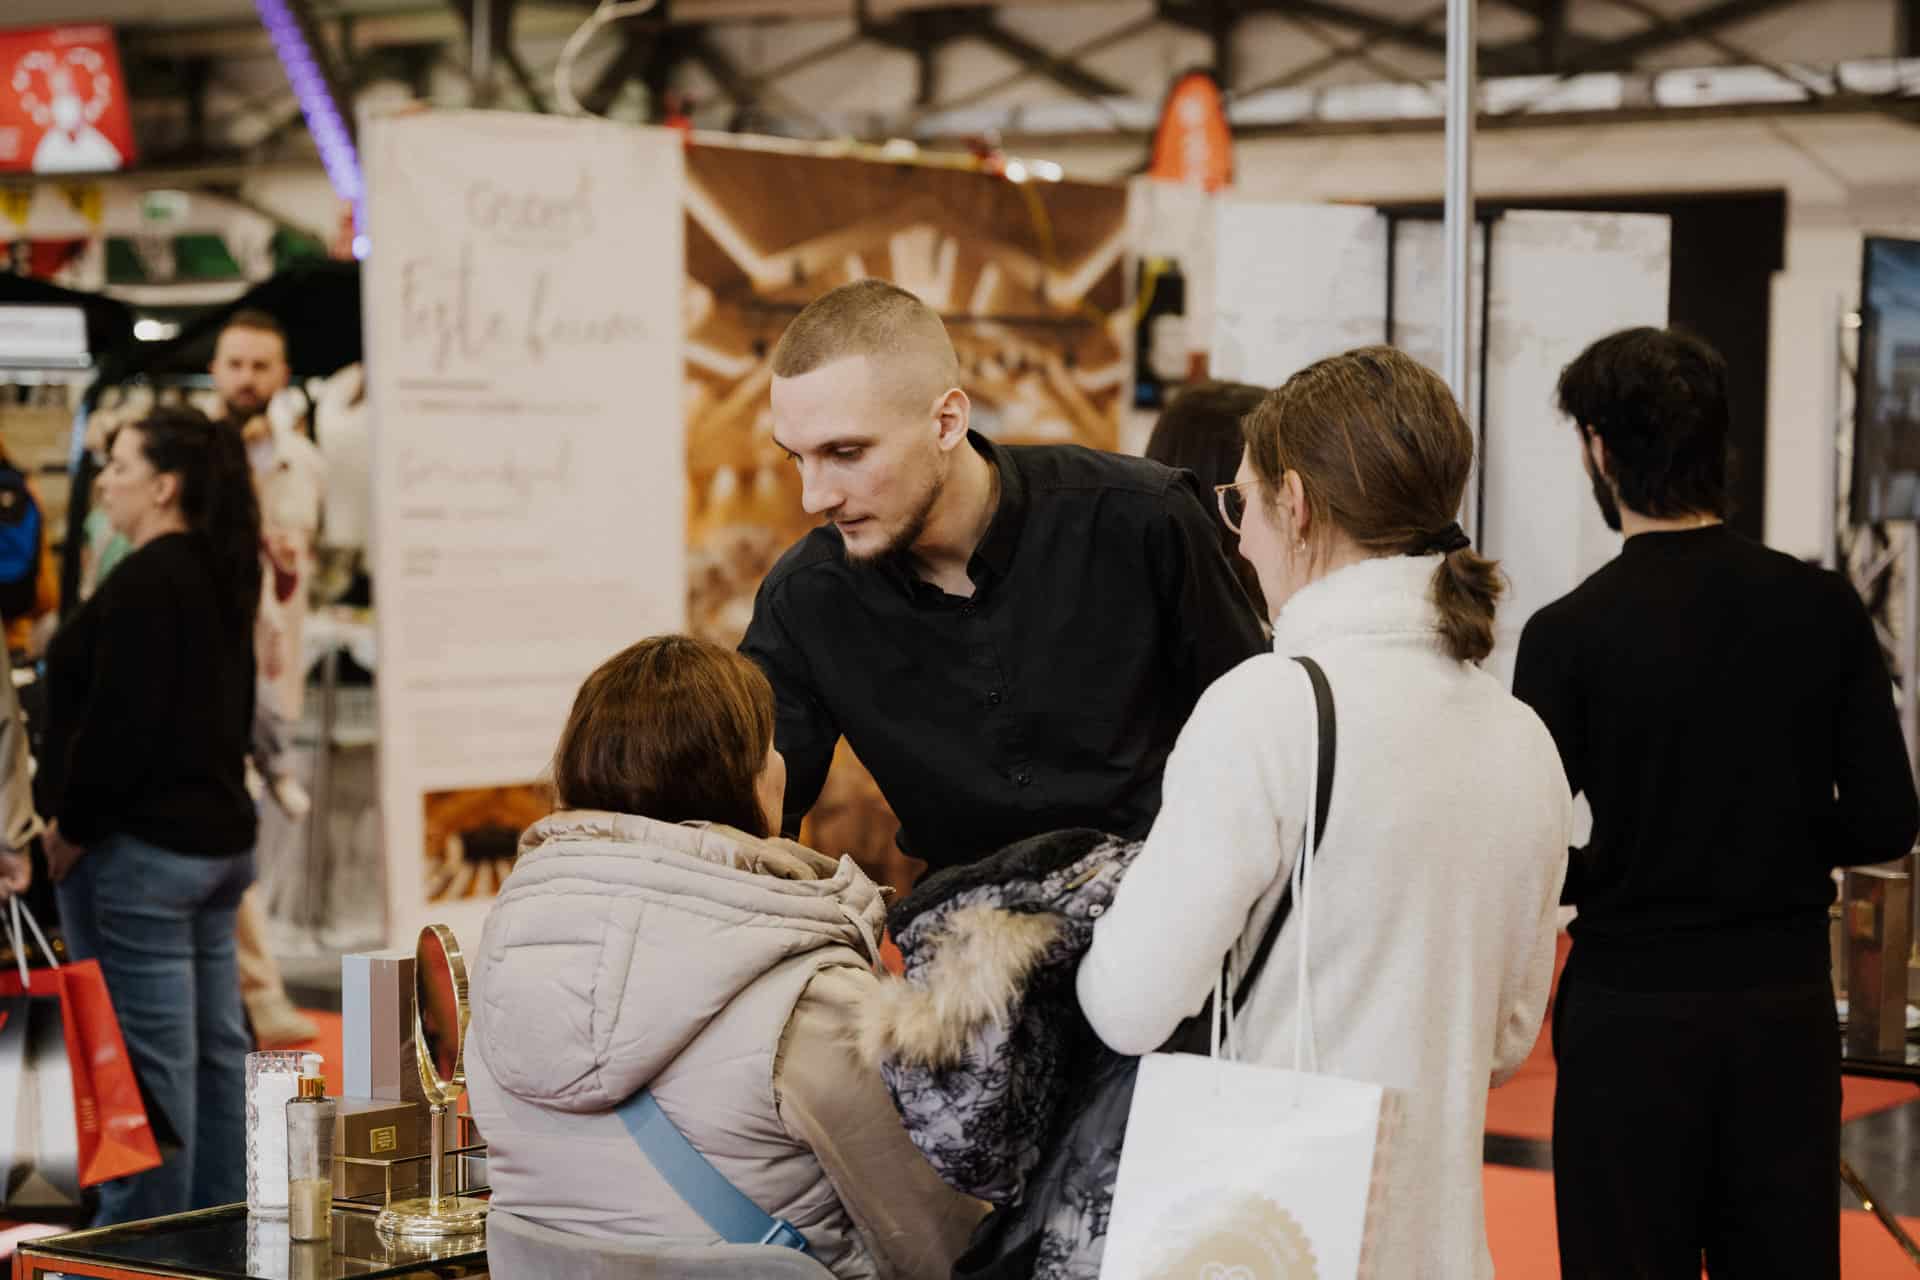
(239, 413)
(1603, 495)
(899, 544)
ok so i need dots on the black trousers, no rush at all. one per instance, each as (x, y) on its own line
(1696, 1123)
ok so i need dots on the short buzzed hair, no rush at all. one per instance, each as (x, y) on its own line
(875, 319)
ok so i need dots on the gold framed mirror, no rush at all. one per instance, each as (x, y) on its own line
(440, 1015)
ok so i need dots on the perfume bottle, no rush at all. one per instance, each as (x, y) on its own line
(310, 1161)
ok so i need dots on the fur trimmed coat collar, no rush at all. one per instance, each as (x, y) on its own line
(996, 1074)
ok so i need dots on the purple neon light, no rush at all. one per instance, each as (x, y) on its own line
(337, 154)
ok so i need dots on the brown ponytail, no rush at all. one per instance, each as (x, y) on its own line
(1383, 454)
(1466, 588)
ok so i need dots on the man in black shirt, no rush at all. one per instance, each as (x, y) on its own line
(1010, 637)
(1726, 710)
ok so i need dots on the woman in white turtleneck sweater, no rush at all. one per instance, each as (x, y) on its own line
(1434, 892)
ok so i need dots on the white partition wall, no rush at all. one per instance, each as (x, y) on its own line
(1294, 283)
(524, 357)
(1560, 281)
(1420, 299)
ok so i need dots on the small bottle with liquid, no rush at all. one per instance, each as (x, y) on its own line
(310, 1118)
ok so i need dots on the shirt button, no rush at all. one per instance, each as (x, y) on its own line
(993, 699)
(967, 609)
(1023, 777)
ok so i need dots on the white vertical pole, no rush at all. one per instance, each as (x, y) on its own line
(1462, 95)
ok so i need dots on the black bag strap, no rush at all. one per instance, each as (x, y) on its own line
(1323, 801)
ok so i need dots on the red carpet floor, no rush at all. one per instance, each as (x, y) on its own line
(1523, 1107)
(1520, 1225)
(1521, 1233)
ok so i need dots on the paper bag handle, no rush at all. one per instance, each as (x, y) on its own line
(16, 912)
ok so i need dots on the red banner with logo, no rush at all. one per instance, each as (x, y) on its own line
(63, 102)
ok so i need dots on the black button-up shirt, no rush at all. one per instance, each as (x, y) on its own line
(1102, 608)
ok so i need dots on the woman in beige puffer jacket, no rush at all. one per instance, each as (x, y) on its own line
(641, 943)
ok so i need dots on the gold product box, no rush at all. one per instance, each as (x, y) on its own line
(376, 1129)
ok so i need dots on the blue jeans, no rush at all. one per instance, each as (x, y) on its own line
(161, 925)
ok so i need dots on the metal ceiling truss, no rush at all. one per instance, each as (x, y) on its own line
(654, 48)
(1552, 50)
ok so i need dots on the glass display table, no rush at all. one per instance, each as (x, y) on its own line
(225, 1244)
(1899, 1064)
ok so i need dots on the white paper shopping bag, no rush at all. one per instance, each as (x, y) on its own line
(1239, 1172)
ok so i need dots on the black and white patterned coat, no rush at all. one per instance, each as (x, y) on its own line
(997, 1076)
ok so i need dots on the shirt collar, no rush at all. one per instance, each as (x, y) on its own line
(994, 556)
(1674, 540)
(995, 552)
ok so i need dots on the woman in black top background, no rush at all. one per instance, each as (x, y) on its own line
(150, 700)
(1200, 431)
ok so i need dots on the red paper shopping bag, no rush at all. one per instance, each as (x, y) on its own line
(114, 1136)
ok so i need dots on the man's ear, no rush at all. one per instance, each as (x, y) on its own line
(951, 415)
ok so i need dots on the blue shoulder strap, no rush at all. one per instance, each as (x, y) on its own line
(733, 1217)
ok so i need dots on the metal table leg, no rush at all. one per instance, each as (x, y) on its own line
(1871, 1203)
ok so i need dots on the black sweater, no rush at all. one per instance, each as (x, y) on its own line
(1727, 712)
(150, 694)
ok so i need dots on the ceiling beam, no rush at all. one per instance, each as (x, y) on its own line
(1119, 35)
(1065, 72)
(1332, 58)
(1418, 35)
(741, 89)
(627, 62)
(1839, 104)
(1551, 39)
(1221, 30)
(1701, 24)
(1415, 36)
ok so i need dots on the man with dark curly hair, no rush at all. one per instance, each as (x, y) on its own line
(1727, 712)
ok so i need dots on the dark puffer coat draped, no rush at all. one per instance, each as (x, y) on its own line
(999, 1080)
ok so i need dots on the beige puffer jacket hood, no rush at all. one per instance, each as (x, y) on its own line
(603, 958)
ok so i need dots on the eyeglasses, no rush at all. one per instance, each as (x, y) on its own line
(1233, 503)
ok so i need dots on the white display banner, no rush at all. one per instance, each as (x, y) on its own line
(1294, 283)
(1561, 281)
(524, 359)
